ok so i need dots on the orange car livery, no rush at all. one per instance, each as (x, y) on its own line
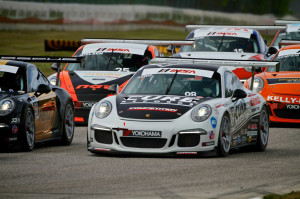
(105, 64)
(281, 89)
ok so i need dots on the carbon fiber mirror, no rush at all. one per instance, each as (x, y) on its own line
(238, 94)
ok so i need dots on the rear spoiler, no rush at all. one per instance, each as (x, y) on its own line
(284, 43)
(285, 22)
(220, 62)
(138, 41)
(55, 60)
(194, 27)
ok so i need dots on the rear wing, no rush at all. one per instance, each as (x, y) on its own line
(138, 41)
(220, 62)
(55, 60)
(284, 43)
(285, 22)
(194, 27)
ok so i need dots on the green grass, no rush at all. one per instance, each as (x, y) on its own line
(31, 43)
(292, 195)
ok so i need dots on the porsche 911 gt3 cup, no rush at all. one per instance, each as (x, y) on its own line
(181, 108)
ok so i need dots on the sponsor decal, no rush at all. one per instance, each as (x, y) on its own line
(141, 133)
(252, 126)
(283, 80)
(254, 101)
(249, 138)
(14, 129)
(59, 44)
(196, 72)
(254, 109)
(222, 33)
(88, 104)
(15, 120)
(12, 139)
(251, 133)
(211, 135)
(219, 105)
(113, 49)
(283, 99)
(293, 106)
(93, 86)
(8, 69)
(152, 109)
(274, 106)
(213, 122)
(186, 153)
(239, 139)
(174, 100)
(244, 139)
(211, 143)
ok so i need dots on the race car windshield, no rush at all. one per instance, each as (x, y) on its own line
(12, 82)
(287, 36)
(173, 84)
(223, 44)
(110, 62)
(290, 62)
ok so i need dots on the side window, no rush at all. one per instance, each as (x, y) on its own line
(231, 84)
(32, 79)
(42, 79)
(35, 78)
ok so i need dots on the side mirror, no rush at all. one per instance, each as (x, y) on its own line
(266, 42)
(171, 49)
(272, 50)
(114, 88)
(43, 88)
(55, 66)
(238, 94)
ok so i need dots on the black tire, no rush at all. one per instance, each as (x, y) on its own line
(263, 130)
(68, 124)
(28, 133)
(224, 139)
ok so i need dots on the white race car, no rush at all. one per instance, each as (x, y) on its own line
(181, 108)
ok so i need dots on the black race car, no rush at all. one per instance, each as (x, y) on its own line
(31, 109)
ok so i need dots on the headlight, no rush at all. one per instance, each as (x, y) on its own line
(201, 113)
(258, 84)
(103, 109)
(53, 80)
(6, 106)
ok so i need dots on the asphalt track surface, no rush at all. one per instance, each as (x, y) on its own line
(52, 171)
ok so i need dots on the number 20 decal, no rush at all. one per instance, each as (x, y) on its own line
(190, 94)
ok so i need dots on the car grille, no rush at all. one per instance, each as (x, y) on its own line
(287, 114)
(104, 137)
(188, 140)
(143, 142)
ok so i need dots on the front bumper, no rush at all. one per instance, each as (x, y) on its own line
(284, 111)
(173, 139)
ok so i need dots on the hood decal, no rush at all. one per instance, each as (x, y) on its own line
(155, 106)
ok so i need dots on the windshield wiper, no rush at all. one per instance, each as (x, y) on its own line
(107, 65)
(170, 85)
(221, 42)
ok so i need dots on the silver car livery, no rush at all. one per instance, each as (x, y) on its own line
(175, 106)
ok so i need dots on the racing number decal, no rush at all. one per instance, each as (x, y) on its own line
(122, 69)
(190, 94)
(239, 112)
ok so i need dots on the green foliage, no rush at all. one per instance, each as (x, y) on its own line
(292, 195)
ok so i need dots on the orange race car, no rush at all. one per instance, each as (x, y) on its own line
(281, 87)
(104, 64)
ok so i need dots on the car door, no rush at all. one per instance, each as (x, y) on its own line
(43, 103)
(239, 110)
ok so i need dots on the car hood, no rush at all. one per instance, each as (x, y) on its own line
(155, 106)
(93, 85)
(284, 82)
(217, 55)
